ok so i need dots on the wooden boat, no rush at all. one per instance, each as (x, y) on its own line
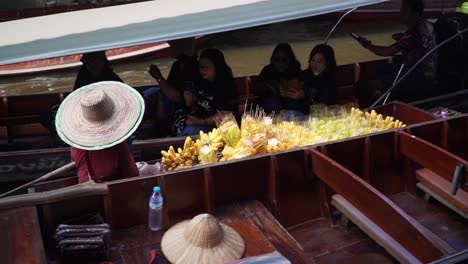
(17, 167)
(359, 200)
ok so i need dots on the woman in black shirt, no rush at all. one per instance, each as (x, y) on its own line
(275, 84)
(214, 95)
(319, 79)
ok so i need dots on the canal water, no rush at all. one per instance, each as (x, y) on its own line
(246, 51)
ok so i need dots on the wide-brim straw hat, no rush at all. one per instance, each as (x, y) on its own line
(202, 240)
(99, 115)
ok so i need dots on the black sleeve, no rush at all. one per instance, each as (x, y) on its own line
(82, 79)
(328, 92)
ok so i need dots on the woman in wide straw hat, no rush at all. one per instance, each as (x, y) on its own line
(95, 120)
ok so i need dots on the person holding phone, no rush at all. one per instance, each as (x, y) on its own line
(413, 45)
(275, 85)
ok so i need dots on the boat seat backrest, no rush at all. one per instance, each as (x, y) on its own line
(373, 230)
(54, 196)
(441, 187)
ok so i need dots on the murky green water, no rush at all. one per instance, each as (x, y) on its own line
(246, 51)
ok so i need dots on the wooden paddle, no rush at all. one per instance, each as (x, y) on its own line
(49, 175)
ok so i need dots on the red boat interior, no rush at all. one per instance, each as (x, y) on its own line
(341, 202)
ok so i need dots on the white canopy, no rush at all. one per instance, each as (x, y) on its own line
(147, 22)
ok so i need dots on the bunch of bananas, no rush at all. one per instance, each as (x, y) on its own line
(182, 158)
(244, 149)
(376, 120)
(213, 139)
(230, 132)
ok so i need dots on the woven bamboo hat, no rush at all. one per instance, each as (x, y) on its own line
(99, 115)
(202, 240)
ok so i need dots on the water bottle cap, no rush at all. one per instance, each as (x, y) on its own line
(156, 189)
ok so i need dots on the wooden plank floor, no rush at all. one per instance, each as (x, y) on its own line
(326, 243)
(444, 223)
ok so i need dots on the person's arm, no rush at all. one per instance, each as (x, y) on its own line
(264, 85)
(211, 121)
(384, 51)
(166, 87)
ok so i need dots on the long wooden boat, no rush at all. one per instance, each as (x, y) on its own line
(18, 167)
(376, 198)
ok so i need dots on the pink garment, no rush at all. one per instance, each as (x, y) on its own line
(106, 165)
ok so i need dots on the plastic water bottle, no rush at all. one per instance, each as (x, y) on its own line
(155, 209)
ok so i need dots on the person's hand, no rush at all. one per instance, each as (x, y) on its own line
(295, 94)
(365, 42)
(193, 120)
(283, 91)
(397, 36)
(188, 98)
(155, 72)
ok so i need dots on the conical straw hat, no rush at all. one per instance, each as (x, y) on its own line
(99, 115)
(202, 240)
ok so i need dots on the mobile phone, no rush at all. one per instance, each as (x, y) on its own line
(355, 36)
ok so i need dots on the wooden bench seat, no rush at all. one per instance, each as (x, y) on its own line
(439, 189)
(373, 230)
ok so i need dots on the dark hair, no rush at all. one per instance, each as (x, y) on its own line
(329, 55)
(223, 71)
(416, 6)
(96, 55)
(294, 64)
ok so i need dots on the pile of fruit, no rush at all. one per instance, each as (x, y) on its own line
(260, 134)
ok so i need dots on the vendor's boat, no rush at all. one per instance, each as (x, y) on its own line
(355, 199)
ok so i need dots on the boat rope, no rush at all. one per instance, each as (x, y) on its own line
(394, 81)
(416, 65)
(337, 23)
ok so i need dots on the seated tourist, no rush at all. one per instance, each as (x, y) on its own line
(95, 68)
(214, 95)
(413, 44)
(95, 120)
(183, 75)
(319, 80)
(272, 83)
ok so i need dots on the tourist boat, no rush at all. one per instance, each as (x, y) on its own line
(359, 199)
(386, 10)
(384, 197)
